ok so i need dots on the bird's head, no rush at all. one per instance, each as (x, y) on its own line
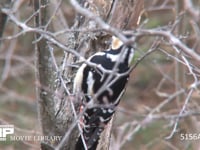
(128, 51)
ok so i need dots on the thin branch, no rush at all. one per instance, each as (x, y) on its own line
(180, 114)
(172, 39)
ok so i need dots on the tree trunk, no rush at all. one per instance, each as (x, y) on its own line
(45, 74)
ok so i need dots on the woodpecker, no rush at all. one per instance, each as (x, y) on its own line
(101, 83)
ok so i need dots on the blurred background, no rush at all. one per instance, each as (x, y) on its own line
(157, 90)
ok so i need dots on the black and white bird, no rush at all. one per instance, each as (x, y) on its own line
(101, 85)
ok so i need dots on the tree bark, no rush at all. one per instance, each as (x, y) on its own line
(55, 111)
(45, 73)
